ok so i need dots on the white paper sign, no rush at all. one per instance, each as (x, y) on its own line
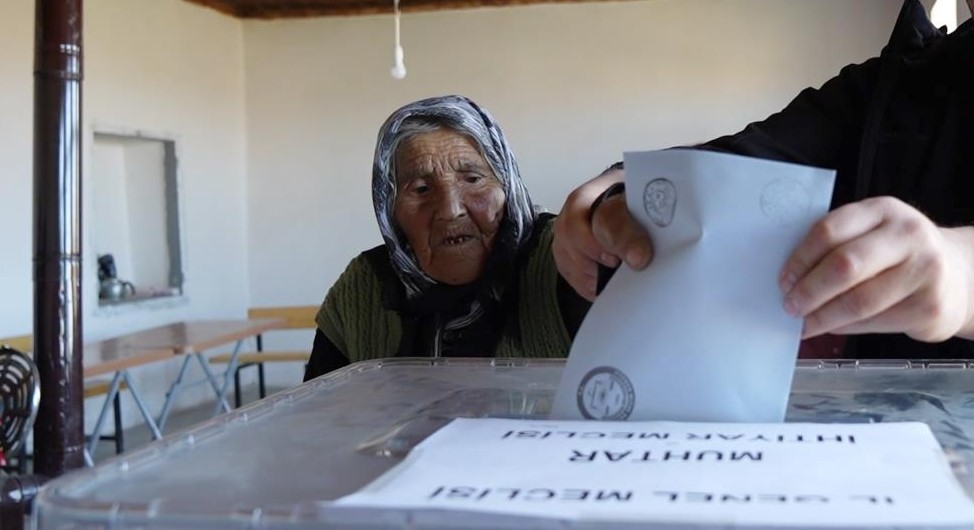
(700, 335)
(738, 475)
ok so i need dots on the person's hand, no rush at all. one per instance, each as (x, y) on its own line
(583, 239)
(881, 266)
(576, 252)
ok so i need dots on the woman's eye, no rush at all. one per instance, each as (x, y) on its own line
(418, 187)
(472, 178)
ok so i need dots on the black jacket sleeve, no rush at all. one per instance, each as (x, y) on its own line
(817, 127)
(822, 127)
(325, 357)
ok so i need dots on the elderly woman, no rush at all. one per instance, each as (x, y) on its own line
(466, 269)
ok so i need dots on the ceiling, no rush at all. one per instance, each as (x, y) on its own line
(324, 8)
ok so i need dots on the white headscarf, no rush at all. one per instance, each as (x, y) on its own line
(466, 117)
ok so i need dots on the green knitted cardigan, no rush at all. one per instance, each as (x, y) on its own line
(355, 321)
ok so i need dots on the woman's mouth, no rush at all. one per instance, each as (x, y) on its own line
(456, 240)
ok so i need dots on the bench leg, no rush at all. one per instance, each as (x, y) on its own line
(237, 400)
(260, 368)
(119, 436)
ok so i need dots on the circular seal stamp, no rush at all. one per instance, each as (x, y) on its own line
(785, 201)
(659, 200)
(605, 393)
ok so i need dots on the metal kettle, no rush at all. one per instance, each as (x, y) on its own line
(115, 289)
(111, 288)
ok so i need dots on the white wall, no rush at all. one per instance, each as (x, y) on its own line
(126, 185)
(572, 85)
(16, 96)
(162, 66)
(944, 13)
(146, 187)
(106, 219)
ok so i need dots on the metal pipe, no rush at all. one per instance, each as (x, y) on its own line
(59, 431)
(16, 494)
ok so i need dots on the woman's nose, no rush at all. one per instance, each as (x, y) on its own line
(450, 204)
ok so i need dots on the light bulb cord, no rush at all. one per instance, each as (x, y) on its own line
(398, 68)
(395, 7)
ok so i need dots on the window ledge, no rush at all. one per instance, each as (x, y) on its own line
(139, 304)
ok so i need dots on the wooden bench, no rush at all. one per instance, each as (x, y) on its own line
(92, 388)
(295, 317)
(23, 343)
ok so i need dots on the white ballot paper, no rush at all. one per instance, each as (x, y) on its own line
(784, 475)
(701, 334)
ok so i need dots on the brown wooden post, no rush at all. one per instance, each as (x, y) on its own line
(59, 431)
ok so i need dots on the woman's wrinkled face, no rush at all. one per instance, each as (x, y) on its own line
(448, 204)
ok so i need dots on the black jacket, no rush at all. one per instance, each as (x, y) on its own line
(902, 125)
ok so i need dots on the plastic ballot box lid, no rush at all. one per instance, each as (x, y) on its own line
(279, 462)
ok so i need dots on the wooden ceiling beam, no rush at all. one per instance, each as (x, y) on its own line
(284, 9)
(219, 5)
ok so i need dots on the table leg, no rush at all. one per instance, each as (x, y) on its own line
(109, 398)
(171, 395)
(221, 400)
(231, 371)
(146, 415)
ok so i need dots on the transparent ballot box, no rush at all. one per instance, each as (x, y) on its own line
(278, 463)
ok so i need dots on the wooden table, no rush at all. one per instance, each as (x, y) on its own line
(116, 356)
(113, 355)
(191, 339)
(195, 336)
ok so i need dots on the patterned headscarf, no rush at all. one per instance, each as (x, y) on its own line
(464, 116)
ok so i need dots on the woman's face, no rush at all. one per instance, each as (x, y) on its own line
(448, 204)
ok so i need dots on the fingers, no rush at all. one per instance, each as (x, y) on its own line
(619, 234)
(880, 266)
(938, 307)
(574, 248)
(835, 277)
(573, 235)
(836, 228)
(577, 253)
(878, 305)
(903, 318)
(577, 269)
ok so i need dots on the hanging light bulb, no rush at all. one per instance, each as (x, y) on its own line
(398, 68)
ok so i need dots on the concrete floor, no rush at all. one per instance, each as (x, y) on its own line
(138, 435)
